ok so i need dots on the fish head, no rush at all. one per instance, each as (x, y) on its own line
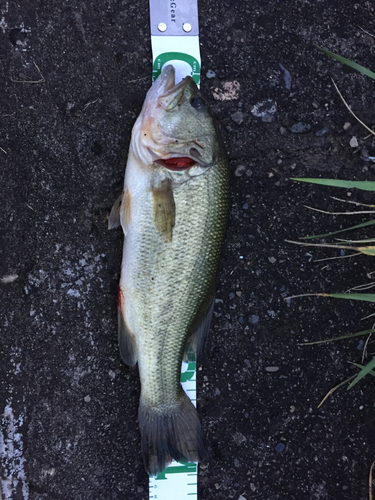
(176, 128)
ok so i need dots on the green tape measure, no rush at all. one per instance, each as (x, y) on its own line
(175, 25)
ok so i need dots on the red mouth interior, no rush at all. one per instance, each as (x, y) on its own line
(178, 163)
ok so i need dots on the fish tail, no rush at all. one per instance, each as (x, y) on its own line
(170, 431)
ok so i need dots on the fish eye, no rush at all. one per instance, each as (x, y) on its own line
(197, 103)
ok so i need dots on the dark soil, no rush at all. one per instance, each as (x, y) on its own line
(68, 400)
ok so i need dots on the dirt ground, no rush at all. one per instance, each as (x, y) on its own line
(73, 78)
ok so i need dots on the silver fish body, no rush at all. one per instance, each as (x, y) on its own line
(173, 211)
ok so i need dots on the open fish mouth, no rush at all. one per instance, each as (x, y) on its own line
(177, 164)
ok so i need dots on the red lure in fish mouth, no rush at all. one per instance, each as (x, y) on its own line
(177, 164)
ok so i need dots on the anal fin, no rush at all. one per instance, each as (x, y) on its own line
(126, 338)
(200, 328)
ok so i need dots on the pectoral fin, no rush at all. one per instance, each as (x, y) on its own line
(200, 328)
(164, 209)
(120, 212)
(126, 338)
(114, 216)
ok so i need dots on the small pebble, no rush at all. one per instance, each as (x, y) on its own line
(217, 392)
(280, 447)
(247, 362)
(237, 117)
(287, 77)
(300, 128)
(272, 369)
(245, 206)
(240, 170)
(236, 462)
(253, 319)
(353, 142)
(87, 399)
(112, 374)
(265, 110)
(9, 278)
(346, 125)
(361, 345)
(365, 155)
(210, 74)
(231, 295)
(321, 132)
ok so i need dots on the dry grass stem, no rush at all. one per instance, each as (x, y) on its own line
(322, 245)
(367, 317)
(351, 112)
(301, 295)
(367, 33)
(89, 104)
(369, 240)
(339, 257)
(364, 353)
(41, 80)
(137, 80)
(365, 286)
(357, 203)
(3, 150)
(340, 213)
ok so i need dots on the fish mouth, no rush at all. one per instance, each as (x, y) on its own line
(177, 164)
(170, 94)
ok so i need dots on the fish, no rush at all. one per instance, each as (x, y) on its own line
(173, 211)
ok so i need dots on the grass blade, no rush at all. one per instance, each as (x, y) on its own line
(363, 185)
(358, 226)
(366, 297)
(362, 366)
(334, 389)
(367, 250)
(351, 335)
(365, 370)
(348, 62)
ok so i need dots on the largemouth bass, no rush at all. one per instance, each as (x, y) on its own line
(173, 211)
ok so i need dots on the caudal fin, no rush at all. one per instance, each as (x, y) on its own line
(170, 432)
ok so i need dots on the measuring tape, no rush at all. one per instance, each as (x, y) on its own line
(175, 40)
